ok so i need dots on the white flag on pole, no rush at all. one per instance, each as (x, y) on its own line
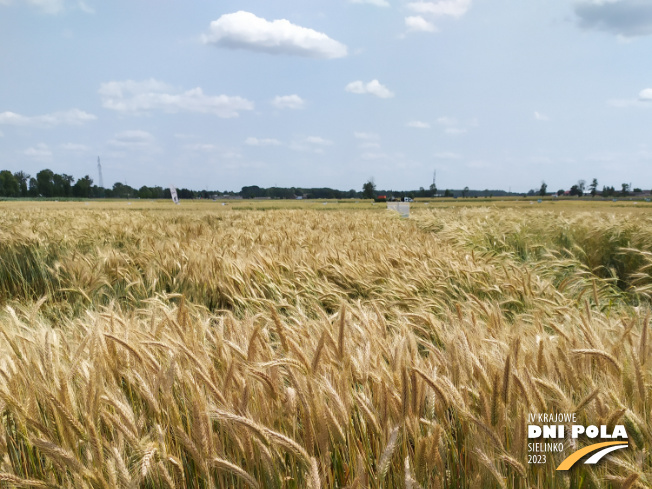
(173, 193)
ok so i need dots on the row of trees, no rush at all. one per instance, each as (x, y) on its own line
(46, 183)
(49, 184)
(370, 191)
(254, 191)
(580, 189)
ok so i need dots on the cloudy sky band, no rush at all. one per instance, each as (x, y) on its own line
(287, 90)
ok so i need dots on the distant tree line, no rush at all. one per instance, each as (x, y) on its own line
(49, 184)
(46, 183)
(256, 192)
(580, 189)
(370, 191)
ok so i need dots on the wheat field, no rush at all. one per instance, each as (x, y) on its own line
(311, 345)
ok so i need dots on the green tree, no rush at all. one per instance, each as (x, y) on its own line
(369, 189)
(543, 189)
(465, 191)
(82, 187)
(23, 179)
(594, 187)
(45, 183)
(8, 185)
(33, 187)
(122, 191)
(578, 189)
(251, 192)
(62, 185)
(144, 192)
(99, 192)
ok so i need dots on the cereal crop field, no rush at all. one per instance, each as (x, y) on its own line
(301, 344)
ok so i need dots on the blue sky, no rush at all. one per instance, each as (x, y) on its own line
(218, 95)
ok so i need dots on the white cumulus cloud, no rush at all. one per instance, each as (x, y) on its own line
(374, 87)
(454, 127)
(144, 96)
(366, 136)
(68, 117)
(40, 152)
(312, 144)
(245, 30)
(441, 8)
(134, 139)
(318, 141)
(251, 141)
(419, 24)
(288, 102)
(645, 95)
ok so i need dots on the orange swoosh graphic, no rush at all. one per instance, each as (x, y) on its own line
(575, 456)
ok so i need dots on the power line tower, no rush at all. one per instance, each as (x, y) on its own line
(99, 171)
(433, 186)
